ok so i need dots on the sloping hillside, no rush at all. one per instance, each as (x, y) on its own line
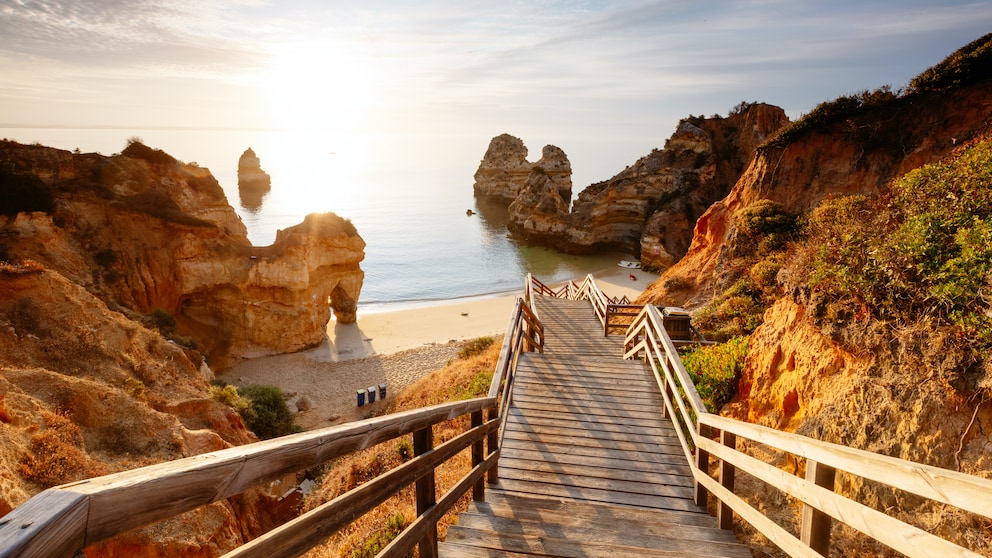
(855, 255)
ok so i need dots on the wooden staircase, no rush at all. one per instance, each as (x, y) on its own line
(589, 466)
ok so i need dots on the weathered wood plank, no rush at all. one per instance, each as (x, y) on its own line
(53, 523)
(597, 495)
(593, 422)
(529, 403)
(550, 546)
(579, 430)
(573, 440)
(673, 476)
(571, 512)
(642, 486)
(655, 463)
(633, 411)
(644, 536)
(553, 451)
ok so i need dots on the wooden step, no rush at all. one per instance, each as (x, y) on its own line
(589, 465)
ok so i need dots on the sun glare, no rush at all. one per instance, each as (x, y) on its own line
(321, 88)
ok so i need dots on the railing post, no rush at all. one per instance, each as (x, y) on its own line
(815, 529)
(423, 442)
(703, 464)
(492, 445)
(478, 456)
(725, 515)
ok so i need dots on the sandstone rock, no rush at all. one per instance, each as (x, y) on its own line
(253, 182)
(504, 170)
(304, 403)
(146, 232)
(649, 208)
(830, 161)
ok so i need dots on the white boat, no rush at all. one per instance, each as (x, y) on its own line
(629, 264)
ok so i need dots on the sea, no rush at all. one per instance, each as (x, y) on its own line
(428, 240)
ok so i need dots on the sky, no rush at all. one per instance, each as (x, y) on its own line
(586, 69)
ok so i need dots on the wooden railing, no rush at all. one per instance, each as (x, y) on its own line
(607, 309)
(704, 435)
(61, 521)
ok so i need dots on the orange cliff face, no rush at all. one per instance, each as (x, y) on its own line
(649, 207)
(98, 255)
(85, 391)
(147, 232)
(859, 155)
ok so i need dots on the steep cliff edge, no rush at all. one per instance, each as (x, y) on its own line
(86, 391)
(146, 232)
(649, 207)
(856, 254)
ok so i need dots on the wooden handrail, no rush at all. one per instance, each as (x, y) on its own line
(647, 338)
(63, 520)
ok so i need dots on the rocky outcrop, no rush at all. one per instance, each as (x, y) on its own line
(859, 154)
(147, 233)
(504, 170)
(253, 182)
(86, 391)
(650, 206)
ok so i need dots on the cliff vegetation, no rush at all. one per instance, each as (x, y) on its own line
(853, 256)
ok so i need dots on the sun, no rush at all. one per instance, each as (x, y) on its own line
(321, 87)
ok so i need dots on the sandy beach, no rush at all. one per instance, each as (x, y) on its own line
(393, 347)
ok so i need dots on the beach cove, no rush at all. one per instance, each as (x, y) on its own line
(396, 347)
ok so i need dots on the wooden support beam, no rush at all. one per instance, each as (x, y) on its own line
(724, 514)
(493, 446)
(423, 442)
(478, 456)
(815, 529)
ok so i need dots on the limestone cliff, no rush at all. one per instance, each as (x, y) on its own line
(145, 232)
(253, 182)
(649, 207)
(848, 354)
(857, 154)
(504, 170)
(87, 391)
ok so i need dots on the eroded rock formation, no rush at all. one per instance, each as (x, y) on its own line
(504, 170)
(146, 232)
(87, 391)
(253, 182)
(857, 155)
(649, 208)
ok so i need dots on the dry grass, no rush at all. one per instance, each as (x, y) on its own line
(462, 379)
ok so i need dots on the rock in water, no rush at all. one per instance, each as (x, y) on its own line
(253, 182)
(504, 170)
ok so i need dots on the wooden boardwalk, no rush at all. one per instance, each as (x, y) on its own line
(589, 467)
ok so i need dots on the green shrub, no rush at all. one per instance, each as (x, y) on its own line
(229, 396)
(267, 416)
(924, 251)
(475, 346)
(380, 539)
(967, 65)
(716, 370)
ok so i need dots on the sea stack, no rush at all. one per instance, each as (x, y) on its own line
(504, 170)
(253, 182)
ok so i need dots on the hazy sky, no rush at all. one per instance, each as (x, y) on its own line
(585, 68)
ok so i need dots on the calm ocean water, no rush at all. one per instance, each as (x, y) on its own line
(407, 196)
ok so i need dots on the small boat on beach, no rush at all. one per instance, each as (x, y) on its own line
(629, 264)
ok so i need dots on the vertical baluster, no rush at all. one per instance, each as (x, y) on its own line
(492, 444)
(724, 514)
(478, 456)
(423, 442)
(815, 530)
